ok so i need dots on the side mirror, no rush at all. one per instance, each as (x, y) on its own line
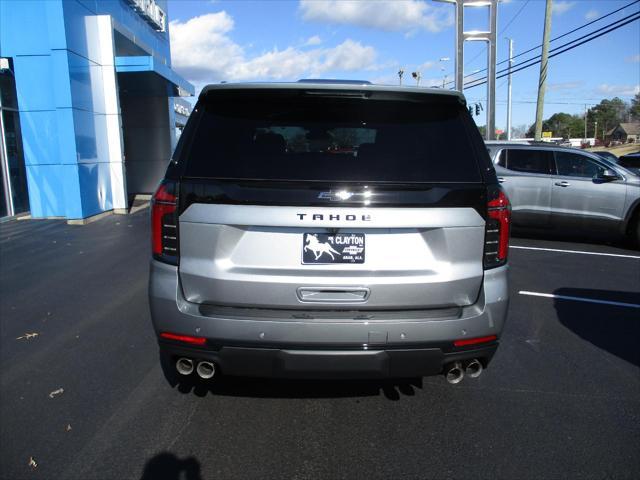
(607, 175)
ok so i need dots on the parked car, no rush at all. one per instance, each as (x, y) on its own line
(276, 256)
(553, 187)
(631, 162)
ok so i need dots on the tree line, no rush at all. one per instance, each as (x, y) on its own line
(606, 115)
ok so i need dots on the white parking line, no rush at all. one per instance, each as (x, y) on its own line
(576, 251)
(579, 299)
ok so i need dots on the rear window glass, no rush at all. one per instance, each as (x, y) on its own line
(299, 137)
(526, 160)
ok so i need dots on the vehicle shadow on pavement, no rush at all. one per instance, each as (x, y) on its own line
(573, 237)
(613, 328)
(392, 389)
(166, 466)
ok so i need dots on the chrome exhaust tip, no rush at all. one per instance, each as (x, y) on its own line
(454, 373)
(474, 368)
(206, 370)
(184, 366)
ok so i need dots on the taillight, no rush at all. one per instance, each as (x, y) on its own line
(496, 237)
(164, 223)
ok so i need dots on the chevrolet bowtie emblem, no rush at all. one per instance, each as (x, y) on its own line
(342, 195)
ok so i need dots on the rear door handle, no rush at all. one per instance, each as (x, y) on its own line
(562, 184)
(501, 179)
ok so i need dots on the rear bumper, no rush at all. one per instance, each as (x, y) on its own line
(294, 347)
(289, 363)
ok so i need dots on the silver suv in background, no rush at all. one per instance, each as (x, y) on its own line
(552, 187)
(329, 230)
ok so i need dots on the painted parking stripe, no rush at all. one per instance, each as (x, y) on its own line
(579, 299)
(576, 251)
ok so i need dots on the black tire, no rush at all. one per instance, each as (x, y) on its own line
(635, 231)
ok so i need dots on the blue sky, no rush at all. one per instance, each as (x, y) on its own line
(286, 40)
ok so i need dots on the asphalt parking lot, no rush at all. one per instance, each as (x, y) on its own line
(86, 398)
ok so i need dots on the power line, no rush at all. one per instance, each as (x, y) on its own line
(533, 59)
(576, 29)
(582, 103)
(558, 37)
(546, 103)
(506, 27)
(635, 17)
(588, 101)
(629, 19)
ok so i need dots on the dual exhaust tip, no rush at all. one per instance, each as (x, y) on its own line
(456, 371)
(186, 366)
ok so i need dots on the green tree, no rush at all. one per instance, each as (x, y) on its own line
(561, 125)
(519, 131)
(608, 113)
(635, 107)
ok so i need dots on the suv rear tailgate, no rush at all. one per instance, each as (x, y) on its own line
(251, 256)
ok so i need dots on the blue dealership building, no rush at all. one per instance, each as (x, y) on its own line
(88, 108)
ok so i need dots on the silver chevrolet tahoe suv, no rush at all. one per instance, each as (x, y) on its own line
(329, 230)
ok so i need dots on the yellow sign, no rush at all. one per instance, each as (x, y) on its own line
(547, 134)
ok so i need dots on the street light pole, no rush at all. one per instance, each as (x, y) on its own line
(509, 89)
(444, 78)
(488, 36)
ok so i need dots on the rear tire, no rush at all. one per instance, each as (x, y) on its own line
(634, 230)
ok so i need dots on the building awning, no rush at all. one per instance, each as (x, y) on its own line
(145, 75)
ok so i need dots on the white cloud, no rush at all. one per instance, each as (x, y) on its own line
(562, 6)
(315, 40)
(426, 66)
(403, 16)
(591, 15)
(202, 51)
(618, 90)
(633, 58)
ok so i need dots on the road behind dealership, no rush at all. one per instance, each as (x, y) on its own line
(86, 398)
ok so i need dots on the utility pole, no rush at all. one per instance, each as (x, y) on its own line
(544, 64)
(585, 121)
(509, 89)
